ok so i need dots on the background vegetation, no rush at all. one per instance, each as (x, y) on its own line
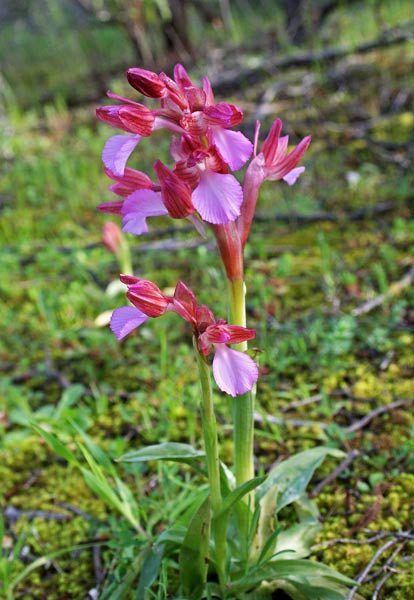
(330, 278)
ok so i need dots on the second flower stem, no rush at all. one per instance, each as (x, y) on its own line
(243, 414)
(209, 425)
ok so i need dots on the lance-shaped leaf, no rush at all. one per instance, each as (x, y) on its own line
(194, 554)
(149, 571)
(167, 451)
(234, 496)
(299, 573)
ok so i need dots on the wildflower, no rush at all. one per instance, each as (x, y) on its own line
(234, 371)
(272, 163)
(204, 152)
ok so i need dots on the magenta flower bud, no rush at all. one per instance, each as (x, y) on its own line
(146, 82)
(146, 296)
(176, 194)
(112, 237)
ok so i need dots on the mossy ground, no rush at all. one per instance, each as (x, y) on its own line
(305, 277)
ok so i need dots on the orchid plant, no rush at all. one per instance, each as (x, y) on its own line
(230, 544)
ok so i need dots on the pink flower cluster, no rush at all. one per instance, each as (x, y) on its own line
(199, 186)
(235, 372)
(204, 148)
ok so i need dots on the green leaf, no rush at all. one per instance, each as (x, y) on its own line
(56, 444)
(119, 590)
(297, 572)
(234, 496)
(167, 451)
(297, 539)
(194, 554)
(96, 452)
(290, 478)
(149, 571)
(174, 535)
(69, 397)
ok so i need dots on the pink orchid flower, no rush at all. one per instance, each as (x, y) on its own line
(273, 162)
(207, 148)
(234, 371)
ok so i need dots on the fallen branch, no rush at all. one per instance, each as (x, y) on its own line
(400, 535)
(361, 577)
(394, 290)
(258, 418)
(12, 515)
(335, 473)
(228, 79)
(380, 410)
(356, 215)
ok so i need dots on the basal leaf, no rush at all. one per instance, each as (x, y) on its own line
(149, 571)
(297, 572)
(167, 451)
(290, 478)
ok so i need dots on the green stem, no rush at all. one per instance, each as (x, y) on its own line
(209, 425)
(243, 416)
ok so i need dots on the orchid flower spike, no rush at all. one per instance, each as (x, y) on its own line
(204, 149)
(234, 371)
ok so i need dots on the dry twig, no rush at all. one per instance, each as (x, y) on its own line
(335, 473)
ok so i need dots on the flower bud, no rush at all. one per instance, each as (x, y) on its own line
(146, 82)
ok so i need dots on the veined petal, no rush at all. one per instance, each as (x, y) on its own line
(110, 115)
(234, 147)
(148, 298)
(292, 176)
(223, 114)
(137, 207)
(181, 77)
(184, 303)
(131, 181)
(218, 197)
(114, 208)
(117, 150)
(176, 193)
(280, 169)
(230, 334)
(235, 372)
(126, 319)
(137, 119)
(271, 142)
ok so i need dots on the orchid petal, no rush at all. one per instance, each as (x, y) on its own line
(117, 150)
(137, 207)
(126, 319)
(235, 372)
(292, 176)
(218, 197)
(233, 146)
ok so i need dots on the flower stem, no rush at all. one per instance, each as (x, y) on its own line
(209, 425)
(243, 416)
